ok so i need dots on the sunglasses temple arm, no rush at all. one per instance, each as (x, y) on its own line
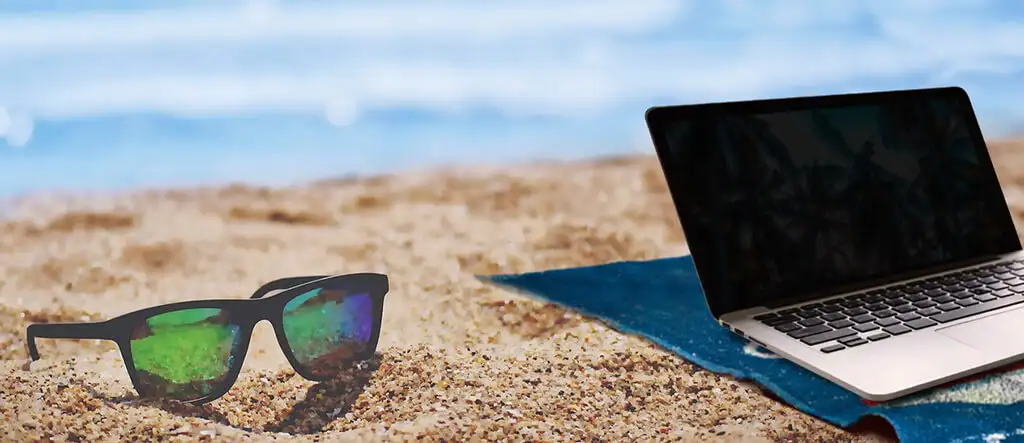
(285, 283)
(81, 331)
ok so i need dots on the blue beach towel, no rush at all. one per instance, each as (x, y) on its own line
(661, 300)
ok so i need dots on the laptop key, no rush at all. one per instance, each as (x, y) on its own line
(811, 322)
(806, 332)
(967, 302)
(840, 324)
(833, 316)
(884, 314)
(823, 337)
(921, 323)
(943, 299)
(998, 286)
(964, 294)
(925, 304)
(789, 311)
(887, 321)
(949, 306)
(908, 316)
(832, 348)
(855, 312)
(929, 312)
(878, 336)
(904, 309)
(863, 318)
(808, 314)
(896, 329)
(892, 293)
(852, 304)
(781, 319)
(767, 316)
(787, 327)
(916, 297)
(865, 327)
(877, 307)
(984, 297)
(1003, 293)
(831, 308)
(857, 342)
(846, 340)
(946, 317)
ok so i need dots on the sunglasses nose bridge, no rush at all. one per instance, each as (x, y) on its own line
(265, 309)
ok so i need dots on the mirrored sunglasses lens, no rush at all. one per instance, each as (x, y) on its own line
(328, 329)
(184, 354)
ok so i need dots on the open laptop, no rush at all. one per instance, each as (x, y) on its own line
(863, 236)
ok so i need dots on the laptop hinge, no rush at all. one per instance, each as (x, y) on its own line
(912, 275)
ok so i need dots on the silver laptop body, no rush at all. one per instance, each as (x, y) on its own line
(864, 237)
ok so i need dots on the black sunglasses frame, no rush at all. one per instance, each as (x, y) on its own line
(245, 312)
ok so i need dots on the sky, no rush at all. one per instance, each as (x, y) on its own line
(113, 94)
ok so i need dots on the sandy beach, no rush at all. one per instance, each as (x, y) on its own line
(458, 360)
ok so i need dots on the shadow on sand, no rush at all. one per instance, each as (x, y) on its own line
(323, 403)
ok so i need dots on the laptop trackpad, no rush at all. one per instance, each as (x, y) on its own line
(999, 332)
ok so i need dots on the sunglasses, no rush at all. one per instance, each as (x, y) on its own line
(192, 351)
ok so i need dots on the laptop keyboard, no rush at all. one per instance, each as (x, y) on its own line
(866, 317)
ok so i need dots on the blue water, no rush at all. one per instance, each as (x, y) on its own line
(130, 151)
(150, 150)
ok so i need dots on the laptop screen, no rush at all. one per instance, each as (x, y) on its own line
(791, 199)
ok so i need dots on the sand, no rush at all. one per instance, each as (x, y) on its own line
(458, 359)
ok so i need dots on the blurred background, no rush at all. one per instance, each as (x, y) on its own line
(115, 94)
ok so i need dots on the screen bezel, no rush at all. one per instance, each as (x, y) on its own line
(660, 117)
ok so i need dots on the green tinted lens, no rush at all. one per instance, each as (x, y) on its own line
(184, 354)
(327, 329)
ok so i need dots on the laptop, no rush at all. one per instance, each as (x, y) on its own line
(865, 237)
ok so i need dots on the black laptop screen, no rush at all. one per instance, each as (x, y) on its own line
(787, 203)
